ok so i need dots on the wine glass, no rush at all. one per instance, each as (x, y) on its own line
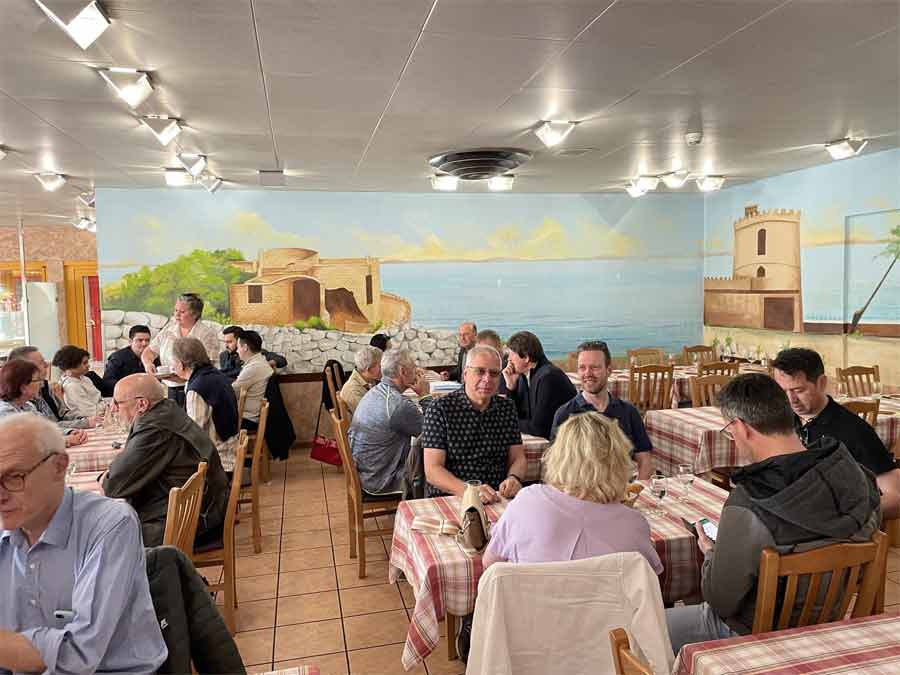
(659, 486)
(685, 476)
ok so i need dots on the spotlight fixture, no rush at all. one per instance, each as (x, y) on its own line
(675, 179)
(710, 183)
(132, 86)
(178, 177)
(165, 128)
(646, 183)
(271, 177)
(501, 183)
(50, 181)
(845, 147)
(553, 133)
(3, 151)
(88, 199)
(92, 227)
(210, 182)
(85, 224)
(193, 164)
(634, 190)
(83, 25)
(444, 183)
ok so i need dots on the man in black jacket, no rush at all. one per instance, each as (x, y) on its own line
(537, 386)
(791, 499)
(229, 361)
(126, 361)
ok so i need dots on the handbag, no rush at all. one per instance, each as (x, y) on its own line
(474, 528)
(324, 449)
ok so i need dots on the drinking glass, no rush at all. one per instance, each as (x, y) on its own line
(70, 470)
(659, 487)
(685, 476)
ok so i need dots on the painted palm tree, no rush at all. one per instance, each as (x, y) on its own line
(892, 250)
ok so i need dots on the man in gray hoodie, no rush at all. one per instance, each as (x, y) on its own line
(790, 498)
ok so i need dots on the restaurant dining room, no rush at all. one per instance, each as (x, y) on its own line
(485, 337)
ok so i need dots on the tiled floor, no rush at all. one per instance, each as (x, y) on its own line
(301, 602)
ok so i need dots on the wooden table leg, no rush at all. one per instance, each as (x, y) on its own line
(451, 637)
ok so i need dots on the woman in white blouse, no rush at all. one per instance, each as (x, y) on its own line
(79, 393)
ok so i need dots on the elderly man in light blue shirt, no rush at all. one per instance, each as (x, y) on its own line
(73, 581)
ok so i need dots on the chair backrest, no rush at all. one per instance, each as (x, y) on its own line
(625, 660)
(341, 427)
(242, 403)
(698, 354)
(859, 380)
(338, 375)
(704, 390)
(259, 445)
(868, 410)
(183, 515)
(729, 368)
(853, 569)
(646, 356)
(240, 454)
(333, 389)
(650, 387)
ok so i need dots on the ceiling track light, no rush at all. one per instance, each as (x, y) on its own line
(83, 25)
(4, 151)
(501, 183)
(193, 164)
(165, 128)
(646, 183)
(553, 133)
(86, 224)
(634, 190)
(845, 148)
(50, 181)
(88, 199)
(178, 177)
(444, 183)
(132, 86)
(211, 182)
(710, 183)
(675, 179)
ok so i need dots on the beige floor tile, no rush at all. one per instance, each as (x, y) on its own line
(308, 607)
(438, 663)
(892, 590)
(271, 498)
(270, 512)
(307, 559)
(255, 646)
(243, 531)
(893, 562)
(306, 581)
(376, 573)
(409, 596)
(256, 588)
(270, 544)
(374, 552)
(368, 599)
(256, 565)
(380, 661)
(293, 523)
(372, 630)
(340, 536)
(255, 615)
(304, 508)
(328, 664)
(314, 539)
(308, 639)
(260, 668)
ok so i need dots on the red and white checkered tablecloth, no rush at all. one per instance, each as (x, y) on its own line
(444, 576)
(97, 453)
(870, 645)
(85, 481)
(298, 670)
(534, 452)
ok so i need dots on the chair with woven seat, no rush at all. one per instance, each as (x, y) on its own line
(729, 368)
(221, 553)
(868, 410)
(859, 380)
(705, 390)
(250, 488)
(698, 354)
(650, 387)
(361, 505)
(625, 660)
(854, 569)
(646, 356)
(183, 515)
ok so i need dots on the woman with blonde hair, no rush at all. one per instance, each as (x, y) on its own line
(577, 512)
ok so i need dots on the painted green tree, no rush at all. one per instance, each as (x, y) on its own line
(154, 289)
(892, 251)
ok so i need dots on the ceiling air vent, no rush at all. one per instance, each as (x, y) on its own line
(480, 163)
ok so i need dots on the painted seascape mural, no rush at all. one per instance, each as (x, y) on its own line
(322, 271)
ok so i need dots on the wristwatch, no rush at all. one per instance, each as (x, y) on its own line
(512, 475)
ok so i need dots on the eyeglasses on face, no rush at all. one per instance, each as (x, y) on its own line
(15, 481)
(725, 432)
(481, 372)
(126, 400)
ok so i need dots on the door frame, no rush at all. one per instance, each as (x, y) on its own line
(74, 272)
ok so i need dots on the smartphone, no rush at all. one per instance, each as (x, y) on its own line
(709, 529)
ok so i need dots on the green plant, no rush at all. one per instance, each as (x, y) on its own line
(375, 327)
(314, 322)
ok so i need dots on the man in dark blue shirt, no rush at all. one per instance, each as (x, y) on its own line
(593, 368)
(126, 361)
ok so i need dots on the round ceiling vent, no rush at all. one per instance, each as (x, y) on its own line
(481, 163)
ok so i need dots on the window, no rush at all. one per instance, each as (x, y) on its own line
(760, 272)
(761, 242)
(368, 289)
(254, 294)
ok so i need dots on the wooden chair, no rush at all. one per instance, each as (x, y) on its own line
(183, 515)
(646, 356)
(705, 390)
(729, 368)
(868, 410)
(221, 553)
(650, 387)
(255, 437)
(242, 403)
(698, 354)
(332, 378)
(844, 562)
(360, 504)
(859, 380)
(625, 660)
(250, 490)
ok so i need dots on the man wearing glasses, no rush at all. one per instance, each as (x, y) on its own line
(163, 448)
(73, 582)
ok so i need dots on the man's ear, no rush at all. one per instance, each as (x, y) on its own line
(822, 382)
(61, 464)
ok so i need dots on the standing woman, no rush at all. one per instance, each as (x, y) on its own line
(185, 322)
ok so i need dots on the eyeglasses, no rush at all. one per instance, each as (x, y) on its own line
(724, 430)
(481, 372)
(127, 400)
(15, 482)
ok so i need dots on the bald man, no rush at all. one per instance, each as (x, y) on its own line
(163, 449)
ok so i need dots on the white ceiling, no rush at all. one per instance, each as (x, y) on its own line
(357, 94)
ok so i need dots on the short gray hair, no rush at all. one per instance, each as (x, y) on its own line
(394, 360)
(482, 349)
(194, 303)
(44, 434)
(367, 357)
(191, 352)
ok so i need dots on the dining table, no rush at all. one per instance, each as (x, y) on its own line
(98, 452)
(444, 574)
(865, 646)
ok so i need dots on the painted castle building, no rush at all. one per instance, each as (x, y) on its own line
(764, 290)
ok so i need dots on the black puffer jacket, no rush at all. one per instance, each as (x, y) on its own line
(191, 625)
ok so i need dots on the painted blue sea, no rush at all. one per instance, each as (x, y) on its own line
(628, 303)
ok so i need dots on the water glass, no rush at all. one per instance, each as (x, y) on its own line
(685, 476)
(659, 486)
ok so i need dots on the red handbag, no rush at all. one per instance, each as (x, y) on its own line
(324, 449)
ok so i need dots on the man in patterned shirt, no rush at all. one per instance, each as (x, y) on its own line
(472, 434)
